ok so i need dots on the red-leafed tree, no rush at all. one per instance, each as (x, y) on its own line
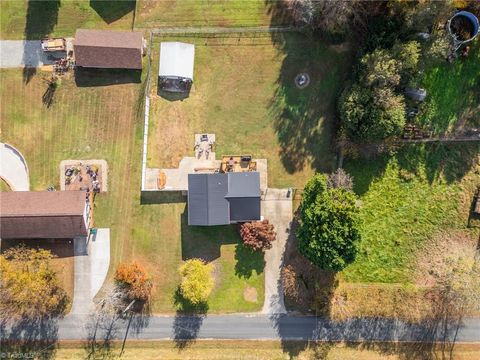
(258, 235)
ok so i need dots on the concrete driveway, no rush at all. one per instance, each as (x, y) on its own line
(91, 267)
(13, 168)
(277, 209)
(22, 53)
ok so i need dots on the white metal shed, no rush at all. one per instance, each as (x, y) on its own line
(176, 60)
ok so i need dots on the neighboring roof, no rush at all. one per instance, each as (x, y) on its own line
(108, 49)
(220, 199)
(42, 214)
(176, 60)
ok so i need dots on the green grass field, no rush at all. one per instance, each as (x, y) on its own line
(23, 19)
(453, 94)
(106, 122)
(406, 198)
(198, 13)
(244, 92)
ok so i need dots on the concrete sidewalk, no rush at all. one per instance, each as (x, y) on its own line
(277, 209)
(92, 261)
(13, 168)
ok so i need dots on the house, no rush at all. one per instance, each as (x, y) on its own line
(43, 214)
(176, 66)
(108, 49)
(223, 198)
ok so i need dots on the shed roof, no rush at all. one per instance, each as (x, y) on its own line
(108, 49)
(51, 215)
(176, 60)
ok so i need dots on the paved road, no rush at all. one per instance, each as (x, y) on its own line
(13, 168)
(20, 53)
(256, 326)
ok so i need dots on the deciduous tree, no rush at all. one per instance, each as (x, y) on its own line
(328, 226)
(29, 287)
(257, 235)
(371, 115)
(134, 279)
(197, 281)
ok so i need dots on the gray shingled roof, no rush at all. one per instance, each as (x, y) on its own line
(219, 199)
(243, 184)
(206, 199)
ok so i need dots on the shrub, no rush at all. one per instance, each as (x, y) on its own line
(257, 235)
(371, 115)
(134, 280)
(197, 281)
(328, 226)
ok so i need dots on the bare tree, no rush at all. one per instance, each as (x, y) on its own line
(340, 179)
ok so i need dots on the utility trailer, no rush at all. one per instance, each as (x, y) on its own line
(53, 45)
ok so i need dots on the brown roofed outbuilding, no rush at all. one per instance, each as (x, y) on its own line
(43, 214)
(108, 49)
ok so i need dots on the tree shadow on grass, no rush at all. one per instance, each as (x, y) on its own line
(248, 261)
(306, 118)
(111, 11)
(436, 161)
(188, 321)
(451, 161)
(204, 242)
(30, 338)
(41, 18)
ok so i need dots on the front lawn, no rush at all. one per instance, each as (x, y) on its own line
(244, 92)
(406, 198)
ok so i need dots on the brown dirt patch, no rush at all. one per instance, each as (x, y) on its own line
(250, 294)
(442, 247)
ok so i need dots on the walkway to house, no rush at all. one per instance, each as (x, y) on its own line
(277, 208)
(91, 267)
(13, 168)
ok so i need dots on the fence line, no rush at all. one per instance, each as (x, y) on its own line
(146, 114)
(201, 31)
